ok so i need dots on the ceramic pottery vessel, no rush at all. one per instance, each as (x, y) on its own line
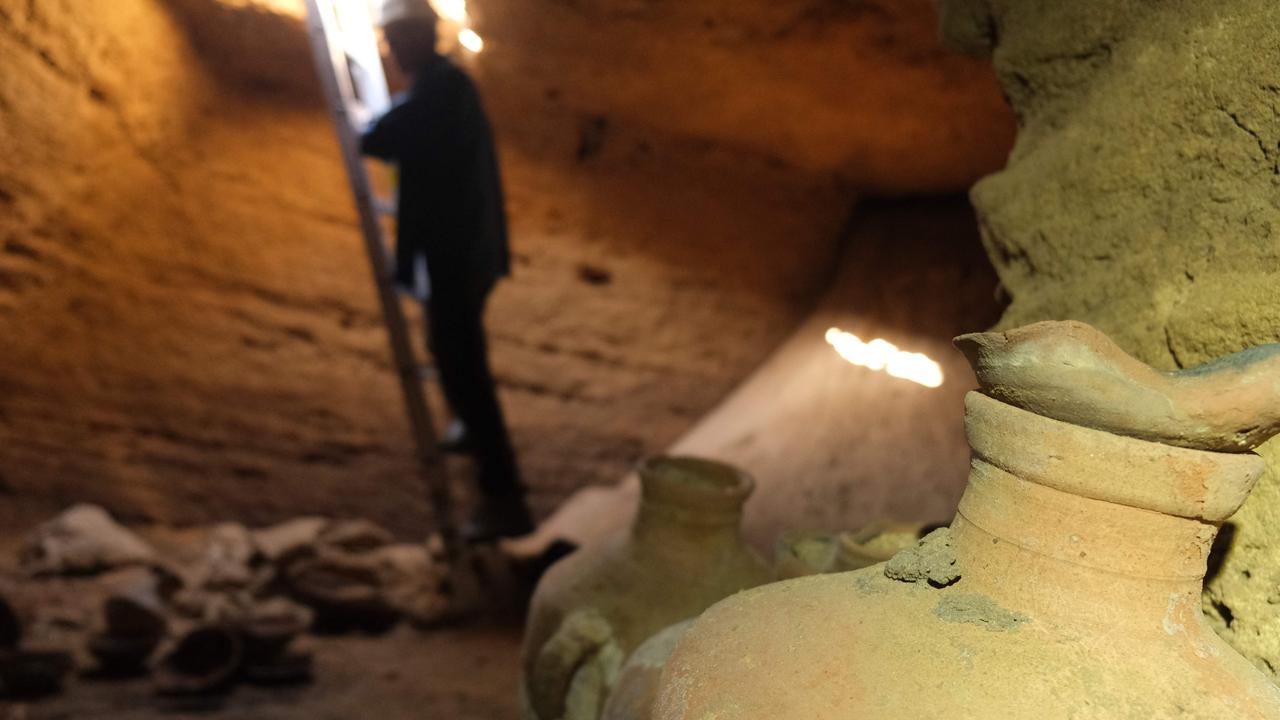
(683, 552)
(809, 552)
(636, 689)
(1068, 584)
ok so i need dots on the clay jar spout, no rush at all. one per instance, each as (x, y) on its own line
(1072, 372)
(690, 508)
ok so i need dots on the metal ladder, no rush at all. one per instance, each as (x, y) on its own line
(355, 89)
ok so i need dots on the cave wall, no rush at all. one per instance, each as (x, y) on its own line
(1143, 196)
(861, 89)
(189, 327)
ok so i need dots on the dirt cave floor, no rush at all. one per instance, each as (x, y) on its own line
(468, 672)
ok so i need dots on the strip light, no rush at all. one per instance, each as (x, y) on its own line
(884, 356)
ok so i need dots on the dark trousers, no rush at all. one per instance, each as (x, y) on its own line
(455, 335)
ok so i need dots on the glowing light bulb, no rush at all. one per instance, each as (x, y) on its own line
(884, 356)
(470, 40)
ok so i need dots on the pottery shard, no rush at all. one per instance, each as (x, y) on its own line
(931, 560)
(10, 626)
(83, 539)
(412, 582)
(226, 557)
(803, 552)
(876, 543)
(354, 536)
(1071, 372)
(133, 607)
(289, 538)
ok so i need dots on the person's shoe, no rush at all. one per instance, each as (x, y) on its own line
(456, 439)
(499, 517)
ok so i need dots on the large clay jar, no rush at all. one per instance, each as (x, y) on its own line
(1068, 584)
(683, 553)
(636, 688)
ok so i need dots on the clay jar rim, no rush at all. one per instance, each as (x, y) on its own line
(691, 483)
(1196, 484)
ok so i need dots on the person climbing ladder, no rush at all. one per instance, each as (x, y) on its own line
(452, 220)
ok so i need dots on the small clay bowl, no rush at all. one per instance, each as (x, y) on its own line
(205, 660)
(34, 673)
(268, 634)
(344, 595)
(122, 656)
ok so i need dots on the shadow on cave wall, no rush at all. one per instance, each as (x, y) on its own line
(250, 46)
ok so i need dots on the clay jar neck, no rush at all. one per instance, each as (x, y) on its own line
(689, 503)
(1082, 527)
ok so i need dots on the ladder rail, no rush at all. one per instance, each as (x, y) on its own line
(431, 461)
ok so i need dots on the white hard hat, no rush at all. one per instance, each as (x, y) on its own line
(390, 11)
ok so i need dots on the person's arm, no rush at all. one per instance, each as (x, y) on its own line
(396, 134)
(425, 123)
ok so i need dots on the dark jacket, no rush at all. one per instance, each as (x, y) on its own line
(450, 193)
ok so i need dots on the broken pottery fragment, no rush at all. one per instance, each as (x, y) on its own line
(83, 539)
(804, 552)
(413, 582)
(280, 542)
(269, 630)
(354, 536)
(204, 660)
(10, 626)
(206, 607)
(810, 552)
(133, 624)
(28, 669)
(876, 543)
(121, 655)
(225, 559)
(344, 590)
(1068, 584)
(34, 672)
(683, 552)
(270, 626)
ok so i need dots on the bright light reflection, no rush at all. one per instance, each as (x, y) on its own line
(470, 40)
(884, 355)
(452, 10)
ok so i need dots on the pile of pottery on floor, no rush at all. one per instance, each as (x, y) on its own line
(230, 606)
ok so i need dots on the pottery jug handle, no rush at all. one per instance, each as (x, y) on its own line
(575, 669)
